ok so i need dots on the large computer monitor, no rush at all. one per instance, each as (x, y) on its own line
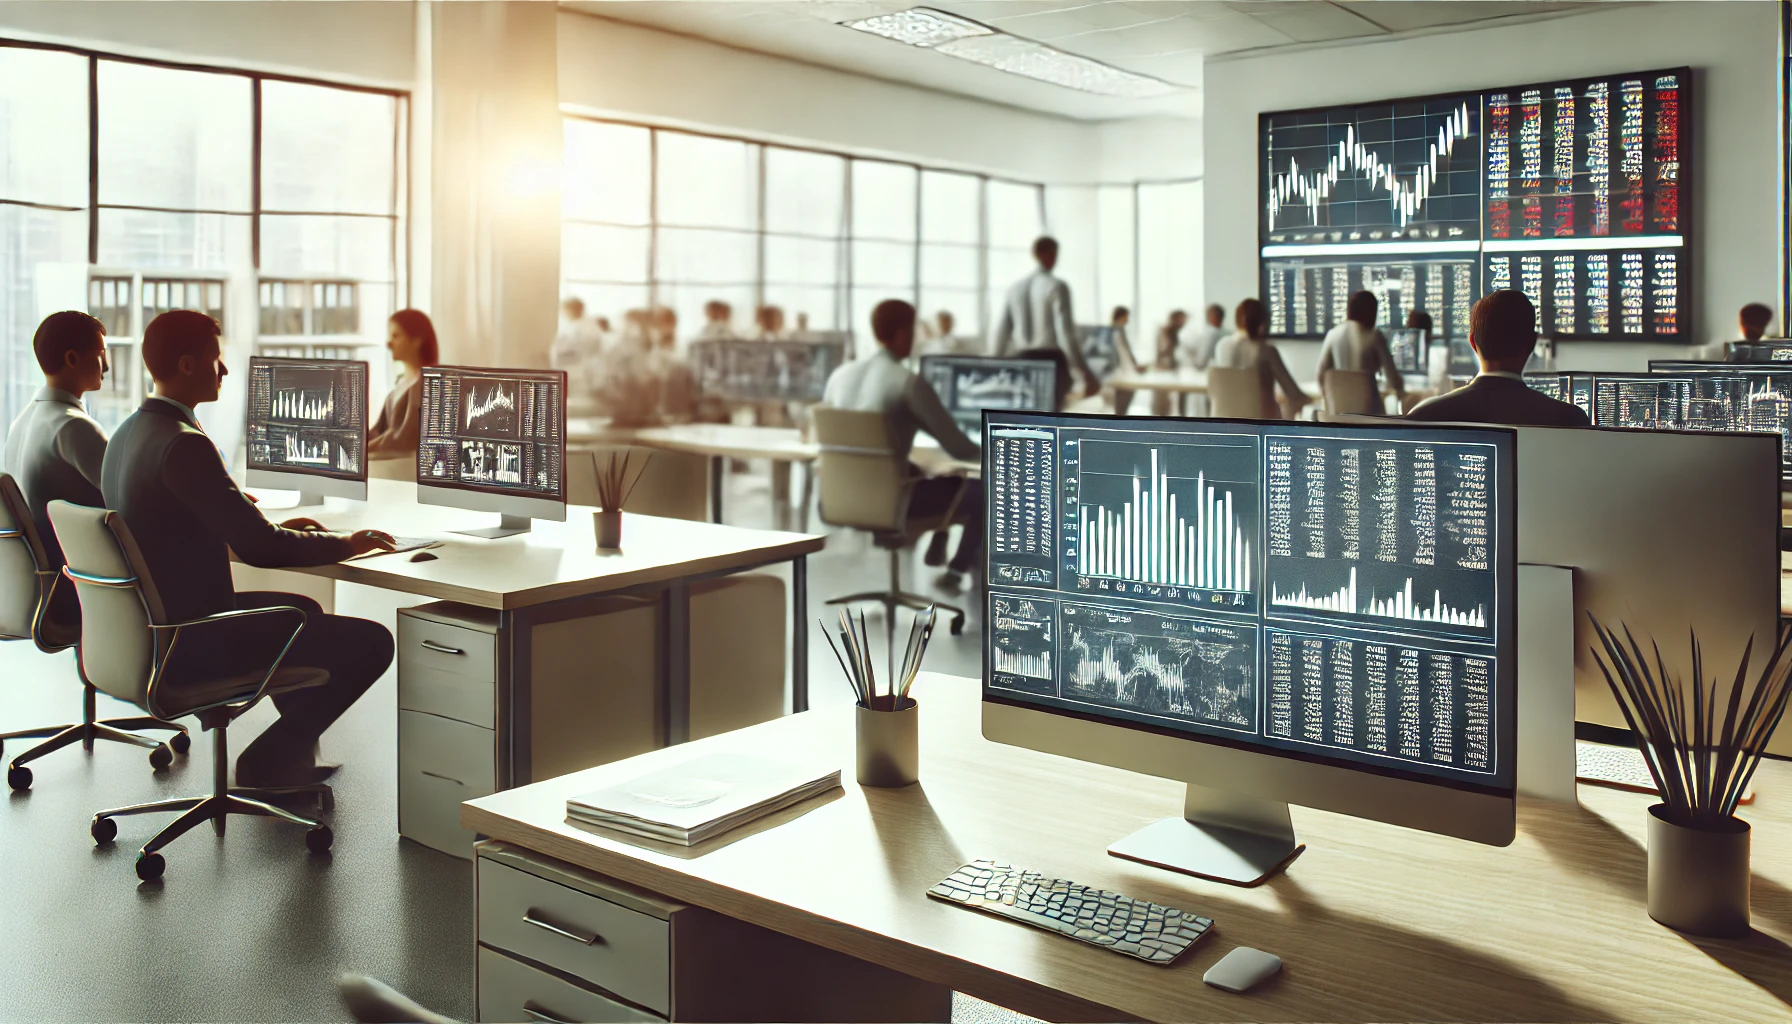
(1411, 348)
(307, 427)
(1736, 398)
(494, 441)
(1321, 614)
(738, 370)
(967, 385)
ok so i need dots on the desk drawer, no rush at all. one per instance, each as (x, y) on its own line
(510, 990)
(615, 948)
(437, 645)
(447, 694)
(441, 763)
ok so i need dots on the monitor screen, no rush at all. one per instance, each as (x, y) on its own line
(1759, 352)
(308, 416)
(1573, 192)
(494, 431)
(967, 385)
(1411, 348)
(1344, 594)
(1555, 385)
(1735, 397)
(765, 371)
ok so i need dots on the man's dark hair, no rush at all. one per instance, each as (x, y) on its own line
(890, 317)
(61, 333)
(176, 333)
(1251, 317)
(1043, 245)
(1363, 308)
(1504, 327)
(1120, 311)
(1418, 320)
(1754, 316)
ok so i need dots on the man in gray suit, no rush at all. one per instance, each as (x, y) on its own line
(54, 449)
(164, 476)
(1037, 312)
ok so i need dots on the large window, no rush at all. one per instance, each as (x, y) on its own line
(659, 217)
(272, 204)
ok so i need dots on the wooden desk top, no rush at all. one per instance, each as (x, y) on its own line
(735, 441)
(1374, 923)
(553, 562)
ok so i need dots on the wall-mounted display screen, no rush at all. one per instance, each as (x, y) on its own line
(1574, 192)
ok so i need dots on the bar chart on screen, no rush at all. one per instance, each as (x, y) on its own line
(1400, 604)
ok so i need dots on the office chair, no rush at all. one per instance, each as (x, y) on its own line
(866, 485)
(371, 1001)
(1349, 393)
(142, 659)
(27, 585)
(1239, 394)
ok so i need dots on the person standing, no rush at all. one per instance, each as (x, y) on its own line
(411, 339)
(1197, 348)
(1037, 318)
(168, 482)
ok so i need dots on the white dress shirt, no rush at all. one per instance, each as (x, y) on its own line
(1037, 315)
(1351, 346)
(1198, 344)
(879, 383)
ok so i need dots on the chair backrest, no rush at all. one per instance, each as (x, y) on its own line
(671, 484)
(23, 586)
(119, 602)
(864, 483)
(1350, 393)
(1239, 394)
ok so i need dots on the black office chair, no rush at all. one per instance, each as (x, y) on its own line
(28, 588)
(131, 651)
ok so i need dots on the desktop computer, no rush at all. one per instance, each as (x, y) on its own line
(306, 427)
(967, 385)
(1322, 614)
(1763, 351)
(494, 441)
(737, 370)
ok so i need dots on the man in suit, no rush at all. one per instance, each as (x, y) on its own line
(54, 449)
(1038, 311)
(1503, 331)
(164, 476)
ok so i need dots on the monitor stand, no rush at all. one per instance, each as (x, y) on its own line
(306, 499)
(508, 526)
(1221, 835)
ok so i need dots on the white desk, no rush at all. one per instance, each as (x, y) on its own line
(719, 442)
(554, 573)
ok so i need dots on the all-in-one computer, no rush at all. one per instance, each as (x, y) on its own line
(307, 427)
(494, 441)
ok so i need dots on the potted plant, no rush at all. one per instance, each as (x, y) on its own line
(1702, 762)
(613, 490)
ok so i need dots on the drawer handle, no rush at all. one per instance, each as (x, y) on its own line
(536, 1013)
(431, 645)
(444, 778)
(584, 938)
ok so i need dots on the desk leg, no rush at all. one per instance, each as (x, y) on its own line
(718, 475)
(802, 513)
(675, 661)
(780, 494)
(799, 634)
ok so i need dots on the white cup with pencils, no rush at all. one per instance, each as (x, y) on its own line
(887, 719)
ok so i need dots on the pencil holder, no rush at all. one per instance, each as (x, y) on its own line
(1698, 878)
(608, 524)
(889, 745)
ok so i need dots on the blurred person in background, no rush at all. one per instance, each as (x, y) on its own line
(1250, 349)
(1197, 348)
(718, 321)
(1037, 319)
(1358, 345)
(937, 337)
(411, 339)
(770, 323)
(628, 390)
(579, 339)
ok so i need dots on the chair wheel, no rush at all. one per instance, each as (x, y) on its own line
(150, 866)
(318, 840)
(181, 743)
(104, 830)
(18, 777)
(161, 757)
(957, 625)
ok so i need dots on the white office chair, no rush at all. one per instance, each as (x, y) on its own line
(27, 585)
(1350, 393)
(131, 651)
(1239, 394)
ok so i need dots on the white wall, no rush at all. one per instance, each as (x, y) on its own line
(616, 69)
(1730, 45)
(367, 42)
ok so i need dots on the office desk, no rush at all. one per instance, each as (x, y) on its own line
(1373, 922)
(720, 442)
(1193, 382)
(554, 573)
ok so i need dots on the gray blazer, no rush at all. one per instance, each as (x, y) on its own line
(54, 450)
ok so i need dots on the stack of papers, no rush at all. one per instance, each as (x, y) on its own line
(701, 798)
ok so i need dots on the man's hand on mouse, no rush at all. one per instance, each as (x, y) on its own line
(364, 541)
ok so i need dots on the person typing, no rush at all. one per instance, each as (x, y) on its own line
(909, 404)
(1503, 332)
(166, 479)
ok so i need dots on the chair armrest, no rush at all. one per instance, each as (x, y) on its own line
(257, 638)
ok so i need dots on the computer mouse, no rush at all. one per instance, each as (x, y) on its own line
(1243, 969)
(423, 556)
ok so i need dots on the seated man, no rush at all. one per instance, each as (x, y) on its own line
(1503, 331)
(882, 384)
(54, 449)
(166, 478)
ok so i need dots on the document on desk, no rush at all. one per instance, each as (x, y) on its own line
(701, 798)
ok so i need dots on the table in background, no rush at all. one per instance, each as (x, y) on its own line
(719, 442)
(1373, 922)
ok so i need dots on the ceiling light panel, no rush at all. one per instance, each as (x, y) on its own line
(921, 26)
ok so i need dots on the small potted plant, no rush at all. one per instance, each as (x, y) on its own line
(613, 490)
(1702, 749)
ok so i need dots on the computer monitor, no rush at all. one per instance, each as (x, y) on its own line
(494, 441)
(1763, 351)
(1556, 385)
(736, 370)
(307, 427)
(967, 385)
(1322, 614)
(1736, 398)
(1411, 348)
